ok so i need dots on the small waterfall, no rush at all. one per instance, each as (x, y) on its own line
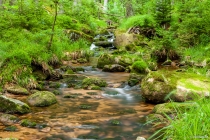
(103, 40)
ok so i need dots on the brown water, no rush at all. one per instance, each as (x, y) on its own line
(67, 121)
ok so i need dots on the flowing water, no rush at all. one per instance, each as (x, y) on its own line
(92, 115)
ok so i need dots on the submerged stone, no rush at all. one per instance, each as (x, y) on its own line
(17, 90)
(42, 98)
(10, 128)
(28, 123)
(8, 119)
(114, 68)
(9, 105)
(91, 82)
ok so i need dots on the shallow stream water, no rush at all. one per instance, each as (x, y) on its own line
(118, 116)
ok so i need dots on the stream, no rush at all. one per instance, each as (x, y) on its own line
(118, 116)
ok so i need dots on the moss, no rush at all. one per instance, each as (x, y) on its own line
(56, 92)
(105, 59)
(69, 71)
(139, 66)
(10, 128)
(187, 83)
(174, 107)
(84, 106)
(17, 90)
(9, 105)
(92, 93)
(93, 82)
(42, 98)
(28, 123)
(115, 122)
(54, 85)
(133, 82)
(70, 96)
(82, 60)
(95, 88)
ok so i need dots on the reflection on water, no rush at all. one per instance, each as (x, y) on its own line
(90, 116)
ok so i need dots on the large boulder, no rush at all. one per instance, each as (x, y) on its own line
(114, 68)
(17, 90)
(125, 39)
(159, 86)
(42, 98)
(9, 105)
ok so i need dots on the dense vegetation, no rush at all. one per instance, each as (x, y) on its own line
(39, 33)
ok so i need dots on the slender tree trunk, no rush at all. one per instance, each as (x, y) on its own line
(105, 5)
(129, 8)
(53, 26)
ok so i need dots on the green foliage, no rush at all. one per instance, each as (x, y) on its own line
(192, 124)
(138, 20)
(163, 12)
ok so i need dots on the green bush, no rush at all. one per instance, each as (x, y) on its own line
(138, 20)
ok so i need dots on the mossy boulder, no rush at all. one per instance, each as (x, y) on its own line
(105, 59)
(88, 83)
(125, 39)
(159, 86)
(139, 66)
(125, 61)
(113, 68)
(135, 79)
(17, 90)
(174, 107)
(42, 98)
(9, 105)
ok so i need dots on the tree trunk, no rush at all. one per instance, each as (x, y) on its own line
(53, 26)
(129, 8)
(105, 8)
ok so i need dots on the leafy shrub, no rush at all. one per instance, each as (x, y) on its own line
(139, 20)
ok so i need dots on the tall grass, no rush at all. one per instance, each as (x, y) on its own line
(26, 49)
(189, 124)
(193, 124)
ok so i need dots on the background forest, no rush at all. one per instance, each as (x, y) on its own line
(27, 28)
